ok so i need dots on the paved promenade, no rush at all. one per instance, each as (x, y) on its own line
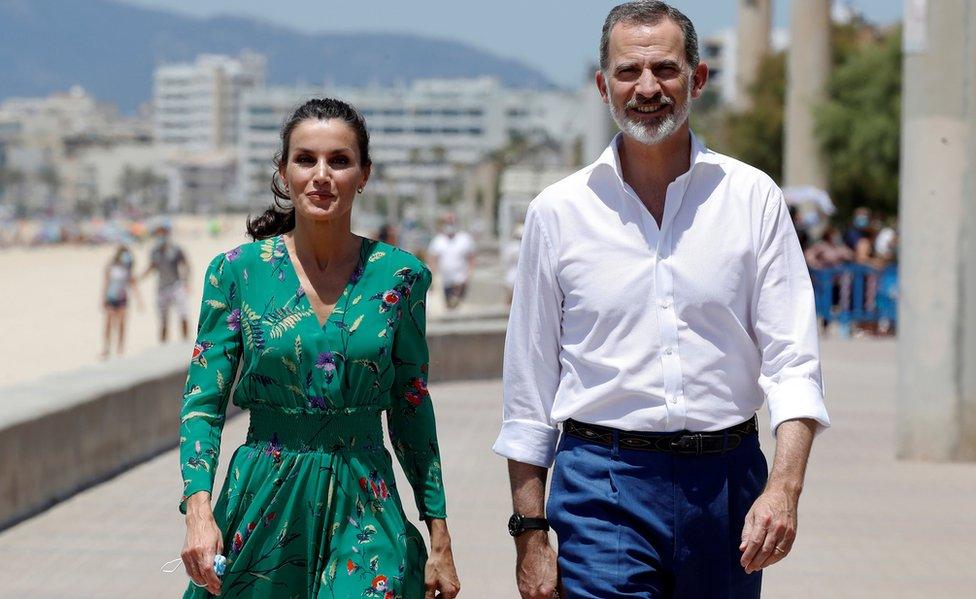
(870, 526)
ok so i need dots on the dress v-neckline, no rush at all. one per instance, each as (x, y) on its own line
(354, 278)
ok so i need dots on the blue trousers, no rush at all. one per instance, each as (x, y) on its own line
(640, 524)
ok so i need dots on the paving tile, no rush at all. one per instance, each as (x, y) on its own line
(870, 526)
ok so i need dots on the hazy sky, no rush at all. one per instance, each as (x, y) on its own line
(559, 37)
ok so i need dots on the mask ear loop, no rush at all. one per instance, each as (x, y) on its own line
(176, 561)
(165, 569)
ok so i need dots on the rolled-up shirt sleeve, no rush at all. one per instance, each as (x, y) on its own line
(531, 363)
(785, 322)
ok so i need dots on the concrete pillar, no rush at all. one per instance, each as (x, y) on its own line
(808, 66)
(752, 44)
(937, 301)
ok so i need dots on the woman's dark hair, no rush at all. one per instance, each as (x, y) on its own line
(117, 257)
(280, 217)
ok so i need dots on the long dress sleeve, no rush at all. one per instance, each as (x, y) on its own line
(209, 379)
(411, 416)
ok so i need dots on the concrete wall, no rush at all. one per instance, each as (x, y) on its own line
(67, 432)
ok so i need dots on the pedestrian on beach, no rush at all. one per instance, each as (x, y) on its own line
(329, 330)
(452, 251)
(119, 280)
(661, 296)
(172, 269)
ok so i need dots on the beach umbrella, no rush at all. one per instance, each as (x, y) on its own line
(807, 194)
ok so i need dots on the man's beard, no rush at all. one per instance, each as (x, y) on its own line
(652, 133)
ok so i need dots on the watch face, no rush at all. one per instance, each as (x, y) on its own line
(515, 524)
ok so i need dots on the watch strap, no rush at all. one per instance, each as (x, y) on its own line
(535, 524)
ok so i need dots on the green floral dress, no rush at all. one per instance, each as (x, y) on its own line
(310, 507)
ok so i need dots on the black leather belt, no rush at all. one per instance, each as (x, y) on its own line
(681, 442)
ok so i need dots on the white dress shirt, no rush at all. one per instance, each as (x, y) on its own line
(452, 253)
(684, 327)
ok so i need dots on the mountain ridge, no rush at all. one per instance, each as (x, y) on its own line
(50, 45)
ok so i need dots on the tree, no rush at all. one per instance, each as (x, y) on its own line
(12, 192)
(756, 136)
(51, 180)
(859, 127)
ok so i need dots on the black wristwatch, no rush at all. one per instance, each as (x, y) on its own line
(518, 524)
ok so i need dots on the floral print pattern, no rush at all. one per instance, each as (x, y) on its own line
(311, 492)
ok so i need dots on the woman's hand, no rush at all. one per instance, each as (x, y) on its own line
(203, 542)
(440, 575)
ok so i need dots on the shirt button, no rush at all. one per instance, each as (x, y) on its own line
(669, 351)
(674, 399)
(665, 304)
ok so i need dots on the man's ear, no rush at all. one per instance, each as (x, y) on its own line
(699, 77)
(601, 84)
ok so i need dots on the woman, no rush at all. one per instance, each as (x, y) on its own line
(115, 294)
(329, 328)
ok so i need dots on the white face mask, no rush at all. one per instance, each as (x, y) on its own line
(220, 567)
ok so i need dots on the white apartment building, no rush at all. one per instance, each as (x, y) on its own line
(718, 51)
(41, 140)
(197, 105)
(420, 134)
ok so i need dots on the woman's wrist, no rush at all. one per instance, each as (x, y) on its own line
(198, 505)
(440, 537)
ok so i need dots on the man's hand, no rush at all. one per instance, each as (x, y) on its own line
(770, 527)
(769, 530)
(535, 565)
(535, 561)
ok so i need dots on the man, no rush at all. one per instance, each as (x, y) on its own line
(452, 254)
(173, 270)
(661, 294)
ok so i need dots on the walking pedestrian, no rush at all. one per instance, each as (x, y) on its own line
(453, 252)
(661, 297)
(330, 329)
(172, 269)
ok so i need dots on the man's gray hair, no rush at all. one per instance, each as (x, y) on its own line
(649, 12)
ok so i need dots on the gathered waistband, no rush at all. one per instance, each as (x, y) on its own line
(360, 430)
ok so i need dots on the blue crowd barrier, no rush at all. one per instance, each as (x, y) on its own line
(852, 305)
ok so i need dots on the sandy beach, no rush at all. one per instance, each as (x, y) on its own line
(51, 300)
(51, 311)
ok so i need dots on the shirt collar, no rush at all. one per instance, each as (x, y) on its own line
(611, 156)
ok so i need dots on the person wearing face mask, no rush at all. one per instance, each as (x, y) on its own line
(328, 329)
(453, 254)
(169, 262)
(119, 280)
(859, 229)
(661, 298)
